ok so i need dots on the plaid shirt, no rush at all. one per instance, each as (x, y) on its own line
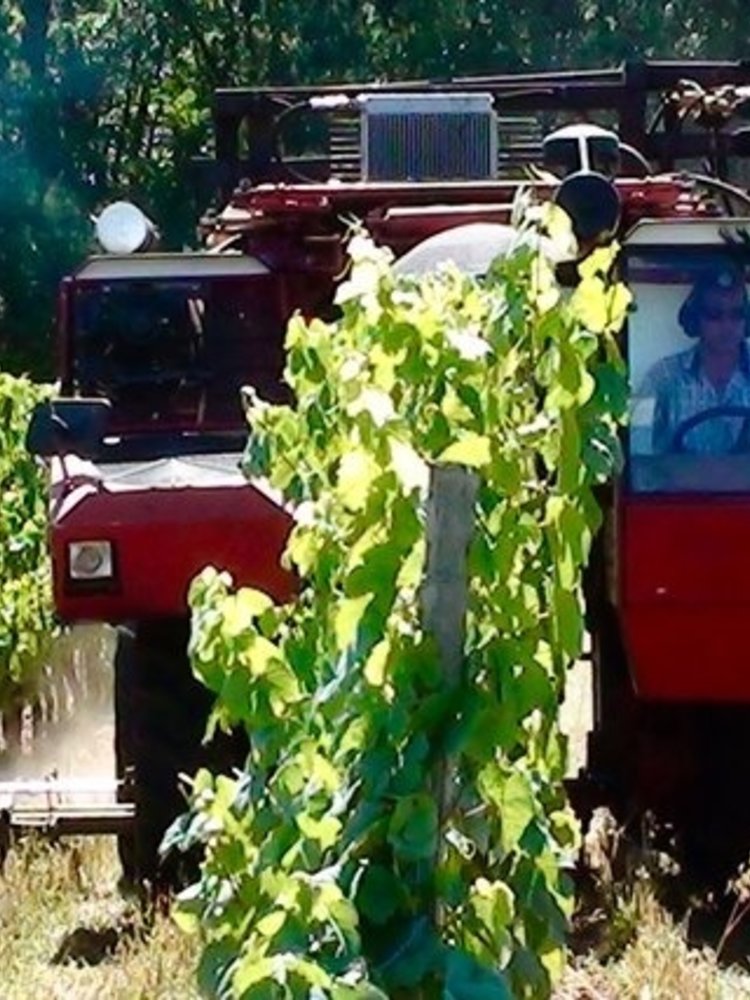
(681, 390)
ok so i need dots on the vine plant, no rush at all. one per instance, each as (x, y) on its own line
(26, 618)
(329, 869)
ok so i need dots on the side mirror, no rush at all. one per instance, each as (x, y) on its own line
(68, 426)
(592, 202)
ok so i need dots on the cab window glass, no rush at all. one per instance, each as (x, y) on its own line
(179, 350)
(689, 369)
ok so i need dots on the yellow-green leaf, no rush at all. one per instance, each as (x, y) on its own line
(455, 411)
(301, 549)
(472, 450)
(270, 925)
(320, 770)
(252, 969)
(259, 654)
(325, 830)
(376, 663)
(598, 262)
(188, 921)
(347, 618)
(356, 472)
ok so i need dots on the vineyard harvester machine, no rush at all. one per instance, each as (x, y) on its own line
(145, 438)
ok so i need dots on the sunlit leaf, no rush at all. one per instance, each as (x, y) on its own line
(325, 830)
(411, 469)
(347, 618)
(355, 476)
(376, 402)
(376, 663)
(472, 450)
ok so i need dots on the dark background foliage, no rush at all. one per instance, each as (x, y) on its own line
(108, 98)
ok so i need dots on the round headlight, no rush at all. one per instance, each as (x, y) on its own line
(90, 560)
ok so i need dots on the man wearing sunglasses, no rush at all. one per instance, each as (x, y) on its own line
(701, 394)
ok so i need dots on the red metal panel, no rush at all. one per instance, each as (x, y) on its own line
(684, 652)
(164, 537)
(685, 596)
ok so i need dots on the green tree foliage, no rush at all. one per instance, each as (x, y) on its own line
(26, 623)
(339, 864)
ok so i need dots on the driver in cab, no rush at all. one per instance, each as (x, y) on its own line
(700, 394)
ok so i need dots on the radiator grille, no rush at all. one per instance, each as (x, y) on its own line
(429, 137)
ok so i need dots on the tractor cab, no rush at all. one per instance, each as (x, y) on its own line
(170, 339)
(683, 525)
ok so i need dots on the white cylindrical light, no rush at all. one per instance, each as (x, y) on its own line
(123, 228)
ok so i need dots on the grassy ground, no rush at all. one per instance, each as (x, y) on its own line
(656, 964)
(66, 933)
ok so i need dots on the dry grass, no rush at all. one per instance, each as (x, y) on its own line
(66, 933)
(657, 964)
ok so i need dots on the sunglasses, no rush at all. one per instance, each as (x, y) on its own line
(714, 313)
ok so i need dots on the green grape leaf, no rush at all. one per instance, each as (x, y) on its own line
(412, 831)
(376, 663)
(467, 979)
(347, 618)
(326, 857)
(472, 450)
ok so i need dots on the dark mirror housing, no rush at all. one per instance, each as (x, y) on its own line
(68, 426)
(592, 203)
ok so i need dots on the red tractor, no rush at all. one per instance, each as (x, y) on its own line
(147, 434)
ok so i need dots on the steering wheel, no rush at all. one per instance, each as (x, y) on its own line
(742, 443)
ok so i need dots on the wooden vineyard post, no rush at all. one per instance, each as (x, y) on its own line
(445, 590)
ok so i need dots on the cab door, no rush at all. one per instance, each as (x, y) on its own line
(683, 542)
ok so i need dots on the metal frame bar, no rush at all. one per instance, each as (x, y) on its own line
(623, 90)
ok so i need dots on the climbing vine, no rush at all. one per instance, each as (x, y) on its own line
(330, 868)
(26, 623)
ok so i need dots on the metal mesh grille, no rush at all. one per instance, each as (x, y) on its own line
(519, 141)
(428, 137)
(425, 147)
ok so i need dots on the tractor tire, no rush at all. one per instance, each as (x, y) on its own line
(661, 762)
(647, 760)
(160, 719)
(613, 740)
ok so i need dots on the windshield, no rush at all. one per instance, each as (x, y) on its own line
(689, 369)
(175, 353)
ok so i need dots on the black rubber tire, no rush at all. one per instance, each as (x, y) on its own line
(675, 761)
(160, 720)
(668, 760)
(613, 740)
